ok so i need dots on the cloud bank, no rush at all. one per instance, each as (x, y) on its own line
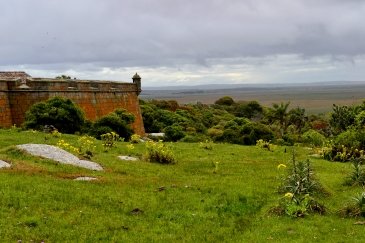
(186, 42)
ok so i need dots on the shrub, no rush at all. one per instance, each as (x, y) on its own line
(255, 131)
(226, 100)
(215, 133)
(313, 138)
(300, 180)
(356, 208)
(174, 133)
(63, 114)
(86, 146)
(67, 146)
(348, 139)
(299, 186)
(194, 138)
(135, 138)
(357, 176)
(265, 145)
(360, 119)
(347, 146)
(341, 118)
(207, 144)
(300, 208)
(118, 122)
(158, 152)
(109, 140)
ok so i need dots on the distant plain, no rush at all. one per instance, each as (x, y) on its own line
(315, 98)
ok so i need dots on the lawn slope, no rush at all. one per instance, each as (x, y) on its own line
(222, 194)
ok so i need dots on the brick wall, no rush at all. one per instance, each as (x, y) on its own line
(95, 98)
(5, 114)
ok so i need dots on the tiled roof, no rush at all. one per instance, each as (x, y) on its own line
(13, 75)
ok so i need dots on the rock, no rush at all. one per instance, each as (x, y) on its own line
(4, 164)
(59, 155)
(157, 134)
(129, 158)
(85, 178)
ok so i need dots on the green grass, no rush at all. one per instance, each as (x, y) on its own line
(139, 201)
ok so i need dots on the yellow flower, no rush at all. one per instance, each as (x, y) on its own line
(289, 195)
(281, 166)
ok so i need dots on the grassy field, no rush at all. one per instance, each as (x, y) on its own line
(190, 201)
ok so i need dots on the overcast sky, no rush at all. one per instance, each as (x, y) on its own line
(186, 42)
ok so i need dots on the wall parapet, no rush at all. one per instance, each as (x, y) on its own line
(63, 85)
(96, 97)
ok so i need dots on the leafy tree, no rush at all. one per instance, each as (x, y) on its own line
(360, 119)
(61, 113)
(226, 101)
(170, 105)
(319, 123)
(254, 131)
(118, 121)
(174, 133)
(279, 113)
(249, 109)
(298, 118)
(313, 138)
(341, 118)
(63, 77)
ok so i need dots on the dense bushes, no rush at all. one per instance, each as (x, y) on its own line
(225, 121)
(67, 117)
(118, 121)
(341, 133)
(313, 138)
(61, 113)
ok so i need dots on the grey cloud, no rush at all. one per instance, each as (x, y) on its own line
(169, 32)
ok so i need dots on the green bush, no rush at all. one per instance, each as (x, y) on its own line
(118, 121)
(349, 139)
(254, 131)
(360, 119)
(174, 133)
(158, 152)
(341, 118)
(61, 113)
(109, 140)
(226, 101)
(313, 138)
(214, 133)
(299, 186)
(356, 208)
(347, 146)
(357, 176)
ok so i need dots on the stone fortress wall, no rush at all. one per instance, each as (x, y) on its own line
(18, 91)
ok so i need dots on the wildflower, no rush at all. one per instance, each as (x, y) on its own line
(281, 166)
(288, 195)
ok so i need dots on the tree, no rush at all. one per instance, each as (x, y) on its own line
(61, 113)
(279, 113)
(249, 109)
(298, 118)
(118, 121)
(226, 100)
(63, 77)
(341, 118)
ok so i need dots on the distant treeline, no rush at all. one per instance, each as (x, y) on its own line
(245, 122)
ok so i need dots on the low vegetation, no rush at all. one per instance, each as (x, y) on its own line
(213, 192)
(205, 187)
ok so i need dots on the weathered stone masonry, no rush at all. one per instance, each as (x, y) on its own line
(18, 91)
